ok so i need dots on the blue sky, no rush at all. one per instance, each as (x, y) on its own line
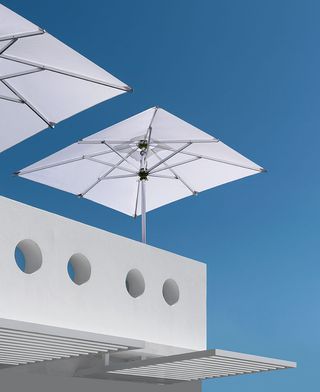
(248, 73)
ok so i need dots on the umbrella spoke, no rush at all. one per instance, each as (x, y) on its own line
(64, 72)
(177, 176)
(215, 159)
(65, 162)
(120, 176)
(49, 166)
(30, 106)
(213, 140)
(116, 166)
(151, 141)
(176, 164)
(7, 46)
(149, 130)
(124, 158)
(127, 142)
(11, 99)
(22, 73)
(90, 187)
(169, 157)
(110, 164)
(22, 35)
(163, 176)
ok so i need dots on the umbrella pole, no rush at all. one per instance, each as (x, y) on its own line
(143, 212)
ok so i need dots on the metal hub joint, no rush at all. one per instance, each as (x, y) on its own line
(143, 145)
(143, 174)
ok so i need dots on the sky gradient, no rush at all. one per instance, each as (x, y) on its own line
(246, 72)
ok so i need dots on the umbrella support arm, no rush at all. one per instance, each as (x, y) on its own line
(65, 72)
(28, 103)
(21, 35)
(143, 212)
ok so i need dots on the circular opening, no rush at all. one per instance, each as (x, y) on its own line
(79, 268)
(28, 256)
(170, 292)
(135, 283)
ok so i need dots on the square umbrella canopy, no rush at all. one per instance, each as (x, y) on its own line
(142, 163)
(43, 81)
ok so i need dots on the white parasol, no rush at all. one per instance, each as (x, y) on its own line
(142, 163)
(43, 81)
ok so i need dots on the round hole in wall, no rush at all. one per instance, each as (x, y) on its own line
(28, 256)
(170, 292)
(79, 268)
(135, 283)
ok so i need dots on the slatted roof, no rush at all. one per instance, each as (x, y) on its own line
(199, 365)
(25, 343)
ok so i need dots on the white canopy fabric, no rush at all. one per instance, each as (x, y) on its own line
(142, 163)
(43, 81)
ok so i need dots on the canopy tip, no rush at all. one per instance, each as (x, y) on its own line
(16, 173)
(52, 124)
(80, 195)
(262, 170)
(128, 89)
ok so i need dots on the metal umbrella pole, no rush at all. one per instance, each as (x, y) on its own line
(143, 176)
(143, 212)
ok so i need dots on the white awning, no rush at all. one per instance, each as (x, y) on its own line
(198, 365)
(24, 343)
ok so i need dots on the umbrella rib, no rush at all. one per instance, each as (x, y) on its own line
(176, 164)
(120, 176)
(150, 124)
(124, 158)
(49, 166)
(154, 115)
(101, 141)
(10, 99)
(216, 160)
(30, 106)
(163, 176)
(22, 73)
(137, 200)
(149, 135)
(66, 73)
(8, 45)
(109, 164)
(64, 162)
(177, 176)
(213, 140)
(152, 141)
(169, 157)
(107, 173)
(22, 35)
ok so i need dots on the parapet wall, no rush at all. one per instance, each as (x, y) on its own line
(120, 287)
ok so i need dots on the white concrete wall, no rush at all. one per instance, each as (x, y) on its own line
(102, 304)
